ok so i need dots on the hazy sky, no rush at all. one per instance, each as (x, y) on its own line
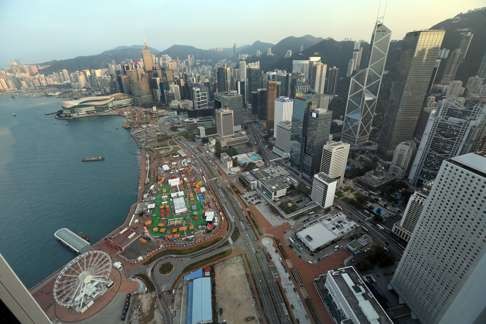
(36, 31)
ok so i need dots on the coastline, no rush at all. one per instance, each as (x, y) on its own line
(142, 157)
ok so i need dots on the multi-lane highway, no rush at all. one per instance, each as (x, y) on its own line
(395, 246)
(272, 301)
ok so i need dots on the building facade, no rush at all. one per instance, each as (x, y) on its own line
(334, 160)
(17, 299)
(451, 130)
(364, 90)
(283, 112)
(441, 273)
(224, 122)
(349, 299)
(402, 158)
(404, 228)
(323, 190)
(272, 91)
(420, 52)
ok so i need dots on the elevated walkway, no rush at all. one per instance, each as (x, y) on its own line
(72, 240)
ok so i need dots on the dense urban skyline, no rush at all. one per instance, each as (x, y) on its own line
(322, 180)
(59, 30)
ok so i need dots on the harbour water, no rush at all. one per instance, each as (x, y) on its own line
(44, 185)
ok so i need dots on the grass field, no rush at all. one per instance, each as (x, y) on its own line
(165, 223)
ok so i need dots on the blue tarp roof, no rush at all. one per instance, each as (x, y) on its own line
(201, 300)
(194, 275)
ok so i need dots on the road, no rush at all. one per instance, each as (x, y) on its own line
(272, 301)
(385, 235)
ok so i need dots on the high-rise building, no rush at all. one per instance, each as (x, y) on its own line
(334, 159)
(456, 58)
(272, 91)
(455, 89)
(404, 228)
(199, 99)
(283, 112)
(332, 80)
(349, 299)
(282, 141)
(441, 273)
(355, 61)
(223, 79)
(420, 50)
(319, 77)
(473, 86)
(482, 67)
(323, 189)
(316, 130)
(224, 122)
(451, 130)
(254, 78)
(364, 90)
(402, 158)
(259, 103)
(17, 300)
(148, 60)
(301, 66)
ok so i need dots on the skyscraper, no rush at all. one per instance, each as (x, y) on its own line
(318, 77)
(451, 130)
(441, 273)
(282, 140)
(283, 112)
(456, 58)
(148, 60)
(323, 189)
(332, 80)
(334, 159)
(364, 90)
(301, 66)
(199, 99)
(224, 122)
(354, 62)
(254, 78)
(420, 50)
(482, 67)
(223, 78)
(402, 157)
(404, 228)
(316, 130)
(272, 91)
(17, 299)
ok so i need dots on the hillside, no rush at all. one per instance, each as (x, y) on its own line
(117, 54)
(252, 49)
(475, 21)
(294, 43)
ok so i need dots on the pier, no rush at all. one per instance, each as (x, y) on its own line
(72, 240)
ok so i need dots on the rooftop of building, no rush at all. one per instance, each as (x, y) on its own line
(473, 161)
(94, 100)
(274, 177)
(284, 99)
(361, 300)
(325, 178)
(336, 144)
(201, 309)
(325, 230)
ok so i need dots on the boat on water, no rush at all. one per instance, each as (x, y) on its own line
(93, 158)
(14, 114)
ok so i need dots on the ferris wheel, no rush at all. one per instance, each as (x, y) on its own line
(83, 279)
